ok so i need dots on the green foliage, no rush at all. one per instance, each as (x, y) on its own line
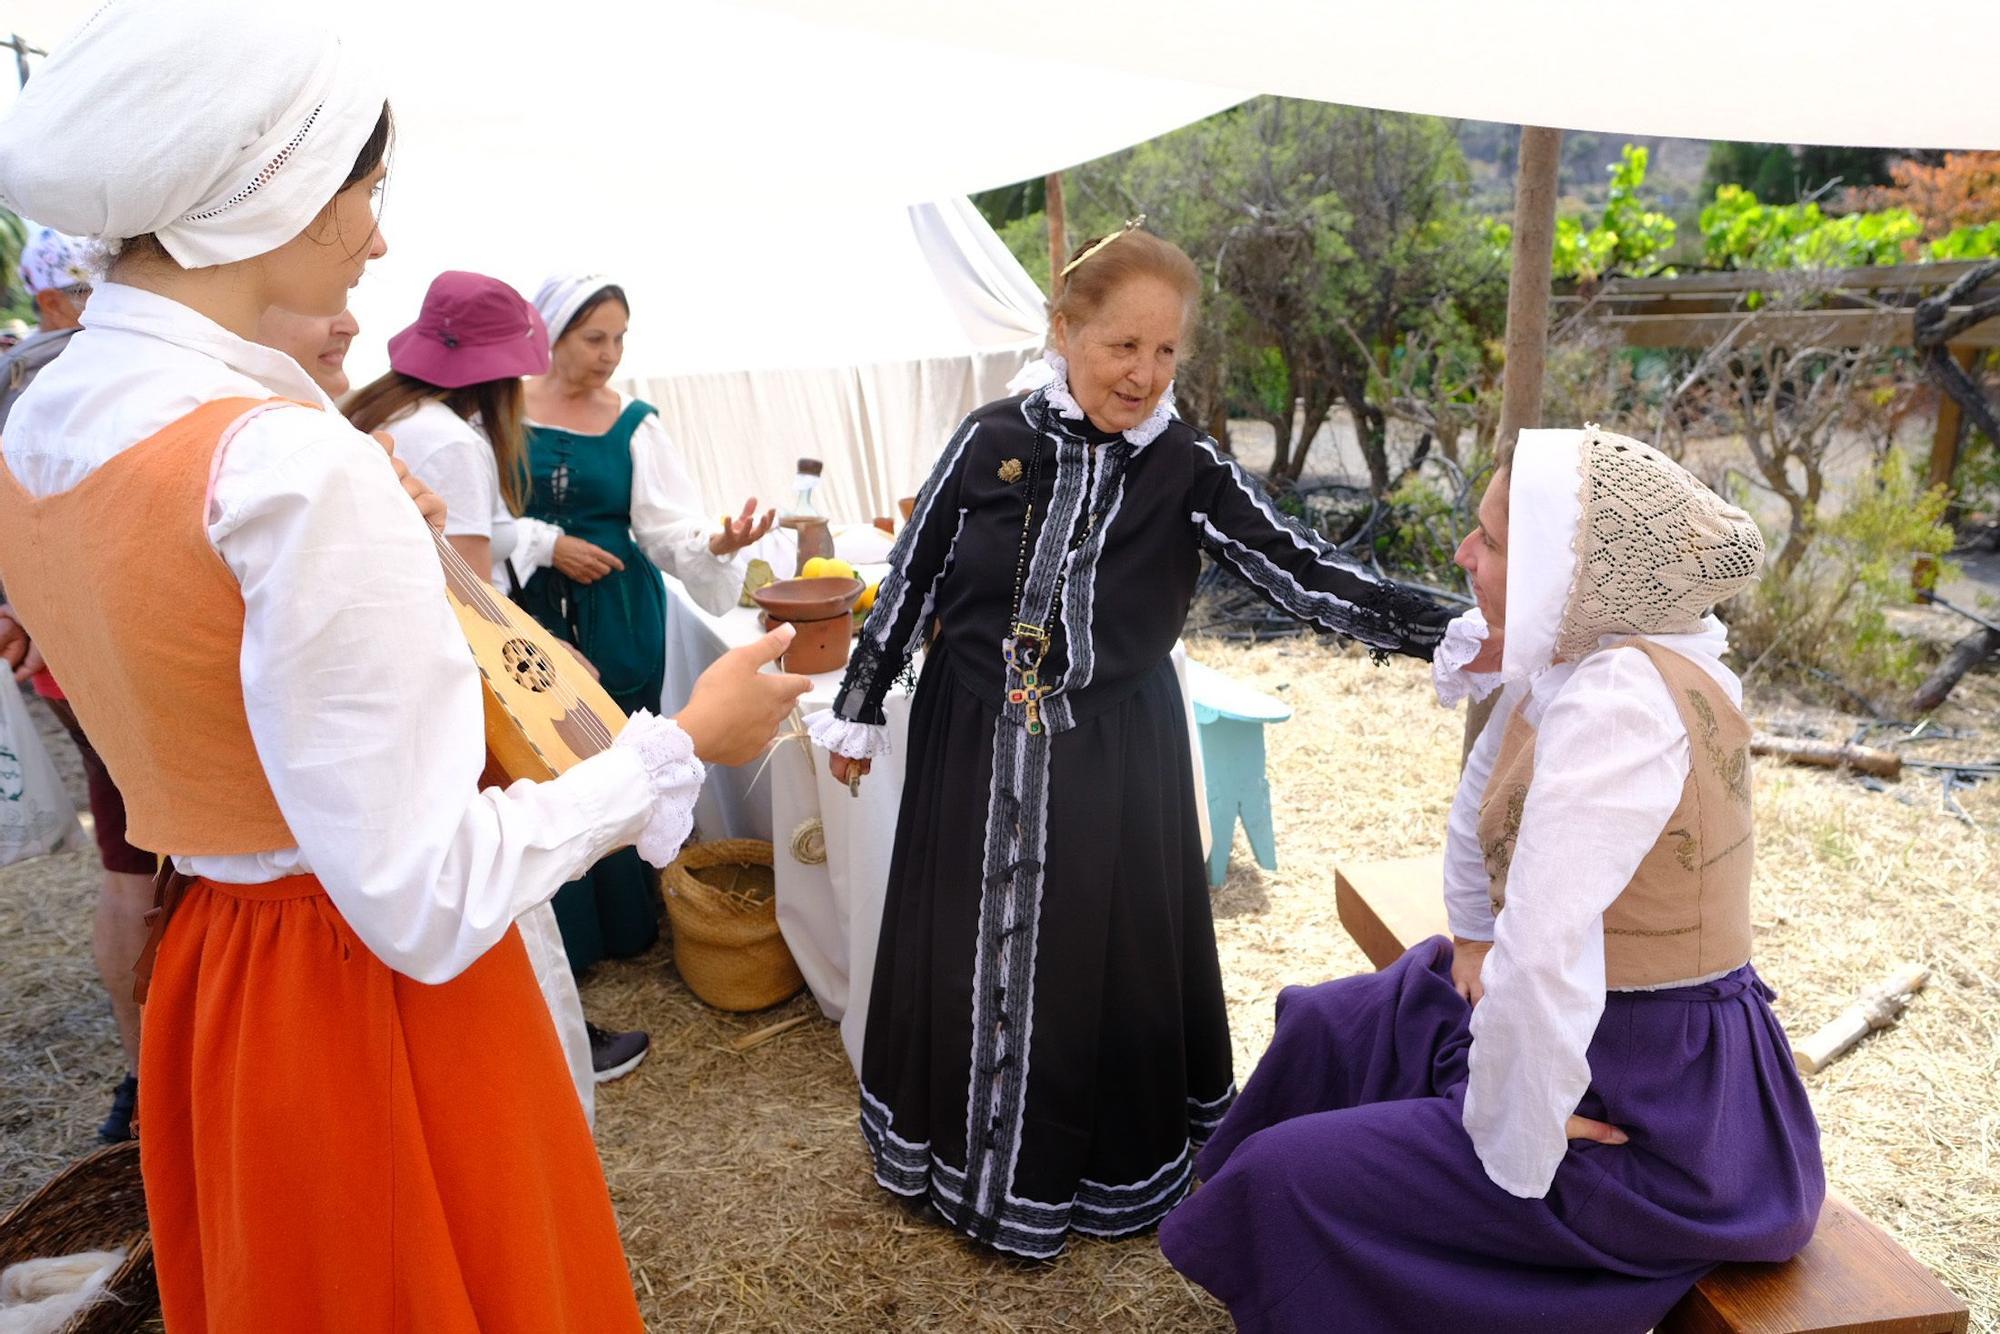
(1830, 614)
(1978, 242)
(1028, 237)
(1268, 380)
(1739, 232)
(1425, 532)
(1630, 236)
(14, 303)
(1010, 203)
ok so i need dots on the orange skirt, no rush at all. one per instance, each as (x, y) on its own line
(328, 1145)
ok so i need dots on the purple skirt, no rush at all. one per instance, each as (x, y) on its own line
(1342, 1192)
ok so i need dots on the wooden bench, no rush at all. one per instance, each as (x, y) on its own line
(1231, 718)
(1852, 1277)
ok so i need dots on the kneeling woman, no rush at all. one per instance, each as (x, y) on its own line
(1564, 1117)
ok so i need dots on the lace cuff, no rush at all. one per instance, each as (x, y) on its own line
(1463, 638)
(857, 741)
(675, 775)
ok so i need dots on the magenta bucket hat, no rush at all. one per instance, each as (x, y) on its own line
(472, 329)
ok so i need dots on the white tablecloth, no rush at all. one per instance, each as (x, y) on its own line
(830, 913)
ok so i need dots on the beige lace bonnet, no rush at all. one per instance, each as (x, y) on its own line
(1656, 551)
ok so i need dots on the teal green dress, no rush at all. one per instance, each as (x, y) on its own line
(584, 484)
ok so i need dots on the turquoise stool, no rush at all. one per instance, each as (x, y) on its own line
(1232, 717)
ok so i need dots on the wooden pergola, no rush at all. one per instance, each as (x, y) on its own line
(1949, 312)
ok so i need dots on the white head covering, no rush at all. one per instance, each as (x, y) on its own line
(222, 127)
(563, 295)
(51, 259)
(1608, 536)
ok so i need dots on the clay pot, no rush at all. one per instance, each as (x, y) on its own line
(907, 505)
(815, 537)
(821, 610)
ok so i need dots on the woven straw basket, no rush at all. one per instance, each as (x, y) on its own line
(721, 901)
(95, 1204)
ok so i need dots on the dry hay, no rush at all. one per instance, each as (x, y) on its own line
(741, 1185)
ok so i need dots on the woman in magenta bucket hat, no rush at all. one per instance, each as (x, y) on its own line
(452, 400)
(472, 329)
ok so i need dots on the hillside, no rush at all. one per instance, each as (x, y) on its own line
(1673, 175)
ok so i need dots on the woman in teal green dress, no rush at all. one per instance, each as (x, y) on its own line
(614, 507)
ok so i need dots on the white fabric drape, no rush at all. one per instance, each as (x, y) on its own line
(877, 428)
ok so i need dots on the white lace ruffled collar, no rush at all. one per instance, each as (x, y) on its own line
(1056, 390)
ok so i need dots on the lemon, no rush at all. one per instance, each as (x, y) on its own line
(827, 567)
(867, 598)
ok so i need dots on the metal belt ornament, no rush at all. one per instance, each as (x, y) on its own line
(1025, 653)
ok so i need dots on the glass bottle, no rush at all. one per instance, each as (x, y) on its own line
(815, 534)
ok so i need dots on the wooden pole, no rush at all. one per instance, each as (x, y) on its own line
(1058, 227)
(1950, 427)
(1527, 343)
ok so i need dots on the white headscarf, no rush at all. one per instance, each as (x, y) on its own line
(1544, 505)
(563, 295)
(222, 127)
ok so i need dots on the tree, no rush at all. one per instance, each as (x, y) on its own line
(1961, 191)
(1343, 265)
(1784, 173)
(1789, 404)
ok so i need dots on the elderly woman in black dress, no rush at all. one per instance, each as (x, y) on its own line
(1046, 1042)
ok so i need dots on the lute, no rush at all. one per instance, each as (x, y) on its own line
(544, 711)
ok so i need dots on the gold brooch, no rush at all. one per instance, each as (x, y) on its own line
(1010, 471)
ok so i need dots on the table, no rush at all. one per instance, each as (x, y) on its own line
(830, 913)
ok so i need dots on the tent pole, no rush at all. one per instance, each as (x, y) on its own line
(1058, 226)
(1527, 343)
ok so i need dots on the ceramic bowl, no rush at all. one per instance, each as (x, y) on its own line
(808, 599)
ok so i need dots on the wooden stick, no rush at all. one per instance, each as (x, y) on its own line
(1828, 754)
(1058, 219)
(766, 1033)
(1878, 1007)
(1968, 653)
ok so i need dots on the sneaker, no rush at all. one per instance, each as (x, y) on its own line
(117, 1127)
(615, 1055)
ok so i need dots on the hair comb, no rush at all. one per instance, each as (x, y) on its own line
(1132, 225)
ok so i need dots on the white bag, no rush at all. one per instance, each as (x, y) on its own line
(35, 813)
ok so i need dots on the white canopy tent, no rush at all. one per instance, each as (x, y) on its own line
(929, 311)
(1712, 69)
(763, 188)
